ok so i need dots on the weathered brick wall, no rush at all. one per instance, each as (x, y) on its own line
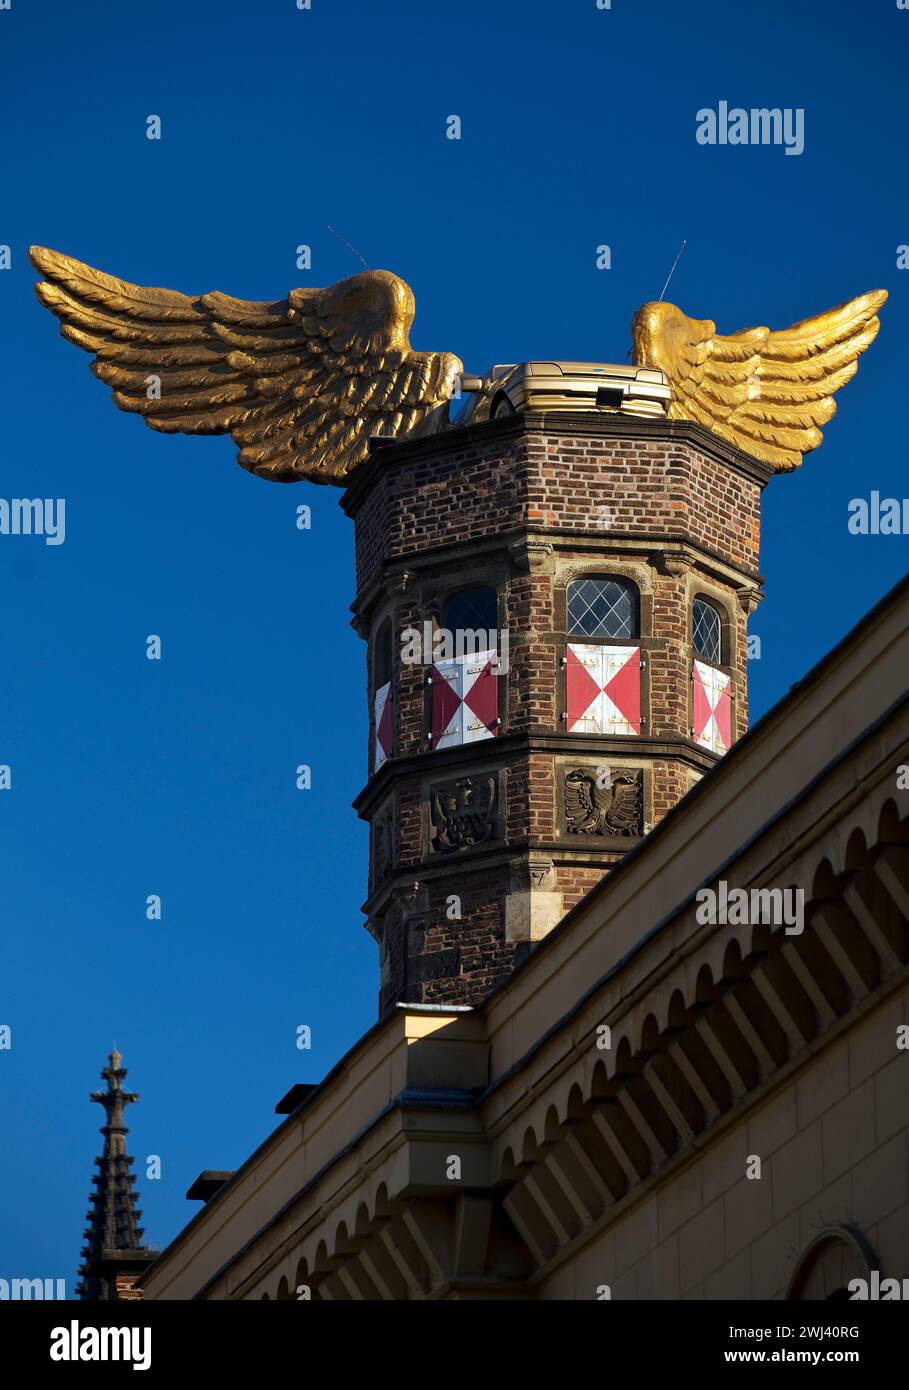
(533, 655)
(671, 780)
(573, 881)
(554, 481)
(478, 939)
(126, 1290)
(431, 956)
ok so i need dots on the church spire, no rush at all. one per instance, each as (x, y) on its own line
(113, 1252)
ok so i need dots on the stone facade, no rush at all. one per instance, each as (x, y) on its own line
(526, 506)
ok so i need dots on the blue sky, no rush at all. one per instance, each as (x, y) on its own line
(176, 777)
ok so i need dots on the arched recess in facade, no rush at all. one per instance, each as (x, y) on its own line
(836, 1255)
(750, 1002)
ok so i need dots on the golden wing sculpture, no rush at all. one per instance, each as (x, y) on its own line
(300, 384)
(767, 392)
(303, 383)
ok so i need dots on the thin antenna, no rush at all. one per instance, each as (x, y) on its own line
(678, 257)
(347, 243)
(672, 271)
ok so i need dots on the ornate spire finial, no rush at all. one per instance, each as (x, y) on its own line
(113, 1236)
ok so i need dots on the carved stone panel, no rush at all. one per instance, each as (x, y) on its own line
(610, 805)
(463, 812)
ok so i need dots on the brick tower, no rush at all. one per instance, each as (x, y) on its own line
(555, 612)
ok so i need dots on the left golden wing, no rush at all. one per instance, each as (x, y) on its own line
(300, 383)
(767, 392)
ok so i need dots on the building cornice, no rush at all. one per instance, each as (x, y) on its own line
(434, 762)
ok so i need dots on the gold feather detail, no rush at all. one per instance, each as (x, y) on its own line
(766, 392)
(300, 384)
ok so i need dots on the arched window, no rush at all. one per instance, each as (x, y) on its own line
(602, 606)
(602, 659)
(712, 714)
(464, 699)
(835, 1257)
(470, 610)
(707, 632)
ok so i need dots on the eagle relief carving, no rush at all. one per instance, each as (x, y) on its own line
(595, 805)
(463, 812)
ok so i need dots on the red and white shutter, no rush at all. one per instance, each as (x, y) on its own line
(481, 696)
(384, 724)
(604, 689)
(465, 699)
(447, 706)
(711, 708)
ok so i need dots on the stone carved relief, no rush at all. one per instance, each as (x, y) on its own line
(616, 808)
(463, 812)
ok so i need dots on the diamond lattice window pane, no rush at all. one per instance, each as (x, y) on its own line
(602, 608)
(706, 632)
(470, 610)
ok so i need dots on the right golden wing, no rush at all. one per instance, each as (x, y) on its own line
(767, 392)
(300, 384)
